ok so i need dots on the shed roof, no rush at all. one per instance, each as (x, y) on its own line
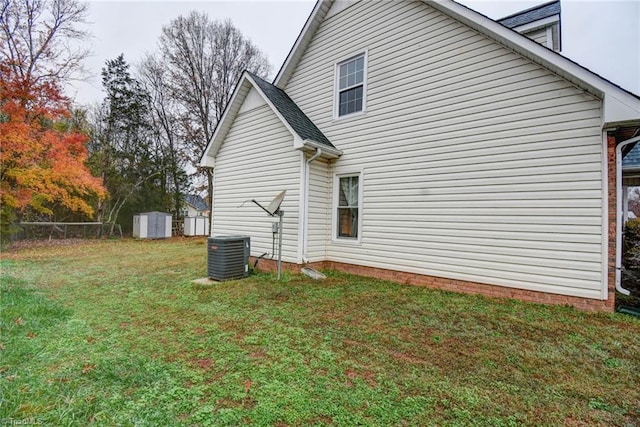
(533, 14)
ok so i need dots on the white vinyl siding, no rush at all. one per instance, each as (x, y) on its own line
(257, 161)
(539, 35)
(319, 211)
(481, 165)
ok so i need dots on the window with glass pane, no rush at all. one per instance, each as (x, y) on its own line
(348, 207)
(351, 86)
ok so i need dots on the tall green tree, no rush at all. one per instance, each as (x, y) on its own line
(124, 151)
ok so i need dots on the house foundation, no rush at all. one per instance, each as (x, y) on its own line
(585, 304)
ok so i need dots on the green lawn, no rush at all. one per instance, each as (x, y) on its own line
(116, 333)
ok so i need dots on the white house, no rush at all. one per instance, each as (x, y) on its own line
(194, 205)
(426, 143)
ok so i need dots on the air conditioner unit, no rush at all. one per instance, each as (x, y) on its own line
(228, 257)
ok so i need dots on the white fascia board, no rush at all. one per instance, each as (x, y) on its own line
(537, 24)
(623, 107)
(313, 22)
(619, 111)
(327, 152)
(207, 161)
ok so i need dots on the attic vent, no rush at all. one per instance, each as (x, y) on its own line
(228, 257)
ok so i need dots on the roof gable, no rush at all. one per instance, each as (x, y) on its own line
(305, 133)
(619, 105)
(290, 111)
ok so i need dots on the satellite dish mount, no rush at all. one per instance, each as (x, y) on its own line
(273, 210)
(274, 207)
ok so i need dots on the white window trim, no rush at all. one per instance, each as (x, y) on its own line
(334, 207)
(336, 86)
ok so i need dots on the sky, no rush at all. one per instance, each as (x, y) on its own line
(133, 29)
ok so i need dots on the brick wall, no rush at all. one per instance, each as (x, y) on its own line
(612, 206)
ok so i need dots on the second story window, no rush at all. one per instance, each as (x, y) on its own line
(351, 80)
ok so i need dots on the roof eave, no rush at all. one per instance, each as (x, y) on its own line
(327, 152)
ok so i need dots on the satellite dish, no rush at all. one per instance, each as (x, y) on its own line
(276, 202)
(274, 206)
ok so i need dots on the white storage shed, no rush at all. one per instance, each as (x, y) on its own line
(152, 225)
(196, 226)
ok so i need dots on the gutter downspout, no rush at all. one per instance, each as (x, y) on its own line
(619, 218)
(305, 213)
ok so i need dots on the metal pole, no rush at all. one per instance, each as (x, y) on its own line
(280, 214)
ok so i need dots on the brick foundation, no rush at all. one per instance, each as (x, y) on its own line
(448, 284)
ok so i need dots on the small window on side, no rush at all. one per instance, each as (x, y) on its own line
(351, 86)
(348, 207)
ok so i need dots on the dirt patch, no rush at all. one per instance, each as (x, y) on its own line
(226, 403)
(369, 377)
(204, 364)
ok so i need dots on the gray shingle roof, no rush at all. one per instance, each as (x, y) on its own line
(300, 123)
(196, 201)
(530, 15)
(632, 159)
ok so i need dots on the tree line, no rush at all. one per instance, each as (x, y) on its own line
(137, 150)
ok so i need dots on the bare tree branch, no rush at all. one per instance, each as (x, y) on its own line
(38, 37)
(204, 61)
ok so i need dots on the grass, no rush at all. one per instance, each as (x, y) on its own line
(116, 333)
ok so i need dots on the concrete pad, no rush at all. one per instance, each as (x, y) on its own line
(205, 281)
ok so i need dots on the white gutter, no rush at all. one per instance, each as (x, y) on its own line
(619, 214)
(305, 204)
(330, 152)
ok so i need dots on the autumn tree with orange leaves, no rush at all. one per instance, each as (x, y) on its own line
(42, 155)
(42, 159)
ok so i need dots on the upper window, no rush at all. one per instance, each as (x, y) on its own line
(351, 79)
(348, 207)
